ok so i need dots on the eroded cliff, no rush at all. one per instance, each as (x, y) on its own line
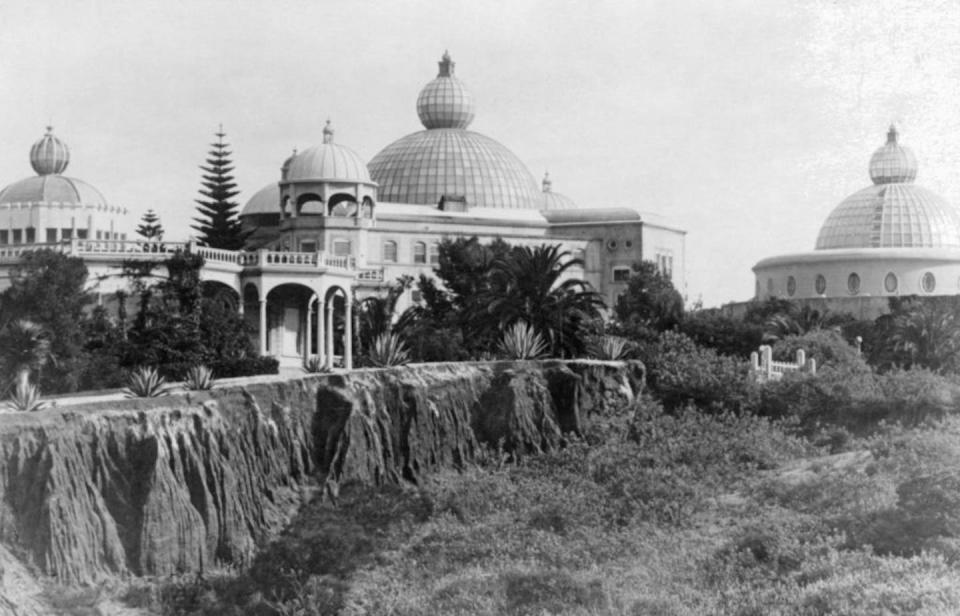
(176, 484)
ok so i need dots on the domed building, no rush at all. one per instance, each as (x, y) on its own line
(889, 239)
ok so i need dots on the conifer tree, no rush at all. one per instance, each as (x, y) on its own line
(150, 228)
(218, 224)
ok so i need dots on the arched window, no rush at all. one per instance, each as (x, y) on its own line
(791, 286)
(419, 252)
(390, 251)
(435, 253)
(928, 283)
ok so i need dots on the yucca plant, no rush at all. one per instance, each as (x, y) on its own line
(521, 341)
(611, 348)
(388, 350)
(146, 382)
(198, 378)
(315, 365)
(26, 396)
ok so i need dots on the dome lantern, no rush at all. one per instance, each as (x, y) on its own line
(49, 155)
(547, 182)
(892, 163)
(328, 132)
(445, 102)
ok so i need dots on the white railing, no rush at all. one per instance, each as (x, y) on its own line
(766, 369)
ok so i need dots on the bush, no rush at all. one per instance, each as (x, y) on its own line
(146, 382)
(827, 347)
(680, 372)
(724, 334)
(245, 366)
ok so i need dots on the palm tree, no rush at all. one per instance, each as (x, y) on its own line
(533, 285)
(927, 334)
(26, 347)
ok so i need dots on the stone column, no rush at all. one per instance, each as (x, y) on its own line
(308, 346)
(321, 342)
(348, 331)
(329, 358)
(263, 326)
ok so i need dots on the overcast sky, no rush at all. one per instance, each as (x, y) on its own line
(744, 123)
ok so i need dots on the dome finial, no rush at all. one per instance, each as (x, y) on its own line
(547, 182)
(892, 134)
(446, 65)
(49, 155)
(328, 132)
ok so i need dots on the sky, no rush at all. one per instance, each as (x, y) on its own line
(744, 123)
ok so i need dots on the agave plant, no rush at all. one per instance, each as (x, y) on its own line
(315, 365)
(388, 350)
(26, 396)
(611, 348)
(521, 341)
(146, 382)
(198, 378)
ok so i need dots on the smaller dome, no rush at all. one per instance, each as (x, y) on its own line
(553, 200)
(264, 201)
(445, 102)
(49, 155)
(286, 165)
(893, 163)
(52, 189)
(328, 161)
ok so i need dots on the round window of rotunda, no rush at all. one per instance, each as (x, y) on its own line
(928, 283)
(820, 285)
(791, 286)
(890, 283)
(853, 283)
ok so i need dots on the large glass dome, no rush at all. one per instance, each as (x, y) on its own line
(446, 159)
(894, 212)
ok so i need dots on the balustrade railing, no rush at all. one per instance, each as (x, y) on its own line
(765, 369)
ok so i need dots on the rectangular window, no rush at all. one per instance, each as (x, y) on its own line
(81, 234)
(4, 237)
(419, 252)
(308, 246)
(17, 236)
(621, 274)
(123, 237)
(51, 235)
(341, 248)
(435, 254)
(66, 233)
(31, 235)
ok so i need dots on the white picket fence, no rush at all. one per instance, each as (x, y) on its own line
(766, 369)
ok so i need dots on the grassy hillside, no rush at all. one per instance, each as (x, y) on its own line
(650, 514)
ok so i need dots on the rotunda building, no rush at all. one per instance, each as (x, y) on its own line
(889, 239)
(448, 162)
(49, 207)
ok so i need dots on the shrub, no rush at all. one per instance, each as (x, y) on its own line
(825, 346)
(245, 366)
(25, 396)
(521, 341)
(724, 334)
(680, 372)
(541, 592)
(199, 378)
(146, 382)
(388, 350)
(610, 348)
(315, 365)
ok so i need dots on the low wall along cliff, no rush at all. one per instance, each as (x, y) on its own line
(176, 484)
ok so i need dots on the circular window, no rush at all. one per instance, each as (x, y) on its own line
(853, 283)
(928, 283)
(611, 245)
(890, 283)
(820, 286)
(791, 285)
(628, 244)
(770, 285)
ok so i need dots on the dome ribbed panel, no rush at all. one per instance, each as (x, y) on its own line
(557, 201)
(422, 167)
(445, 103)
(328, 161)
(52, 189)
(892, 164)
(49, 156)
(891, 216)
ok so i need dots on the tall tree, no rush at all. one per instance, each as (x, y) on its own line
(218, 223)
(150, 228)
(650, 301)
